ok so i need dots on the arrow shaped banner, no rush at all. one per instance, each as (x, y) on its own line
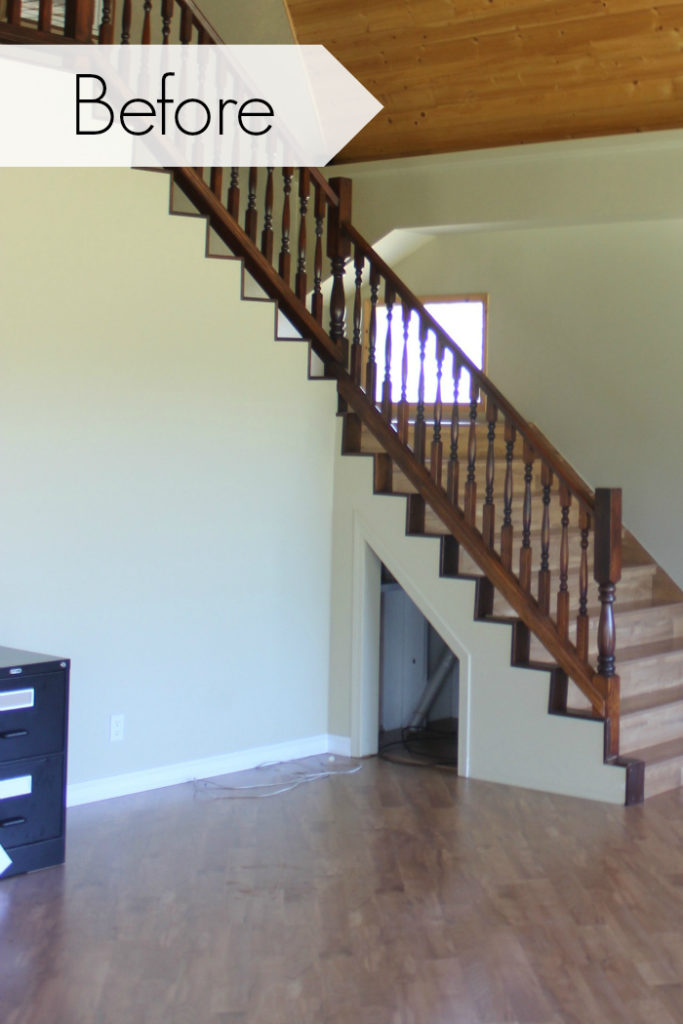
(177, 106)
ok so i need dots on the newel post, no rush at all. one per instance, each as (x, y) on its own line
(79, 16)
(338, 251)
(607, 572)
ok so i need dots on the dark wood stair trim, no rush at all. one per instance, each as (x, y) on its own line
(489, 562)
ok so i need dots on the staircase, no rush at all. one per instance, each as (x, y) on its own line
(509, 511)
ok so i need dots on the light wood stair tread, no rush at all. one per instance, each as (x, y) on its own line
(641, 652)
(653, 699)
(659, 752)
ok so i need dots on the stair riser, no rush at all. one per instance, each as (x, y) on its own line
(651, 674)
(655, 725)
(660, 778)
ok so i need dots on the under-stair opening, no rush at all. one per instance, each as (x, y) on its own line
(418, 687)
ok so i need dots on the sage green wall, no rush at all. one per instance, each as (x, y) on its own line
(258, 21)
(167, 479)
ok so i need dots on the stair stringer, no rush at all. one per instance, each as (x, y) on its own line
(506, 733)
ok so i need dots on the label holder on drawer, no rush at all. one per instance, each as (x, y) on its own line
(14, 700)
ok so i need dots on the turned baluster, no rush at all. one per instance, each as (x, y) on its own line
(166, 19)
(285, 259)
(525, 554)
(544, 571)
(234, 193)
(371, 368)
(453, 464)
(389, 298)
(127, 17)
(356, 348)
(607, 572)
(507, 529)
(267, 233)
(300, 285)
(563, 592)
(251, 214)
(185, 25)
(489, 511)
(45, 19)
(403, 403)
(437, 449)
(217, 181)
(338, 251)
(319, 215)
(14, 12)
(419, 442)
(147, 23)
(582, 617)
(471, 482)
(78, 19)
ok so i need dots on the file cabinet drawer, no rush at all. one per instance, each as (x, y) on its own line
(31, 800)
(32, 715)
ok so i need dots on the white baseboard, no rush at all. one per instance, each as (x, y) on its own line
(205, 768)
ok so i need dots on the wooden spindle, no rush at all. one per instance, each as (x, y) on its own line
(319, 216)
(563, 592)
(525, 554)
(389, 299)
(301, 285)
(234, 193)
(437, 447)
(147, 23)
(607, 572)
(45, 19)
(14, 12)
(507, 529)
(78, 19)
(403, 416)
(489, 511)
(544, 571)
(251, 215)
(186, 26)
(338, 251)
(166, 19)
(267, 233)
(356, 367)
(453, 463)
(127, 17)
(582, 617)
(471, 482)
(371, 368)
(217, 182)
(285, 259)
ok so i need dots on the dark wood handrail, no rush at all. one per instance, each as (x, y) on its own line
(545, 451)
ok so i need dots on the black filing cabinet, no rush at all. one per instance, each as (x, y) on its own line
(34, 693)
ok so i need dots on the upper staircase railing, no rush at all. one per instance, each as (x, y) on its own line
(510, 505)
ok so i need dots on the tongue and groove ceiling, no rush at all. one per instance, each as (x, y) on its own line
(469, 74)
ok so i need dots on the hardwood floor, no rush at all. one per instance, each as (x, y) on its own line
(396, 895)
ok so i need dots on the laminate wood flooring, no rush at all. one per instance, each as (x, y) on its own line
(396, 895)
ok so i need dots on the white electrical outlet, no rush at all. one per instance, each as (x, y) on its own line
(116, 724)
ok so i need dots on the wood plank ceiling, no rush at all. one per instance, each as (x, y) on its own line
(467, 74)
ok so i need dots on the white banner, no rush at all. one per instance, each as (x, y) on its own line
(177, 106)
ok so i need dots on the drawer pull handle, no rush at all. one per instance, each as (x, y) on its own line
(13, 734)
(8, 822)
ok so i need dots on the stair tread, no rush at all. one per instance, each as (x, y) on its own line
(658, 752)
(651, 699)
(640, 652)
